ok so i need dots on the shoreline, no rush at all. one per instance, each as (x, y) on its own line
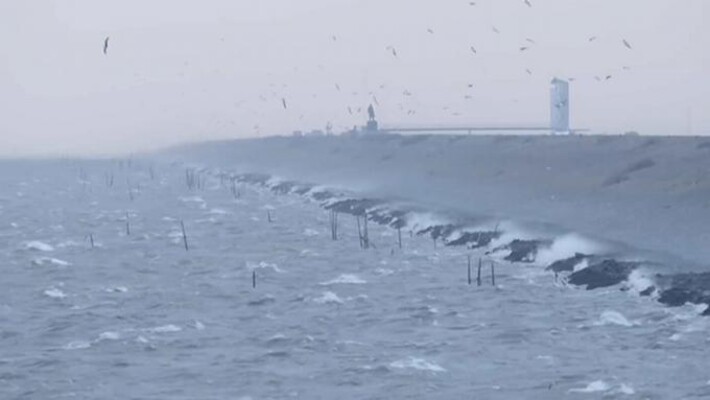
(590, 271)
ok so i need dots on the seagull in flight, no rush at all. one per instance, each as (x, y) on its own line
(106, 45)
(283, 101)
(626, 43)
(527, 2)
(593, 38)
(473, 49)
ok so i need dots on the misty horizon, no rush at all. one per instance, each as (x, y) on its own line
(177, 72)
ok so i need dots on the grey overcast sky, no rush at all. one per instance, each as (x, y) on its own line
(179, 70)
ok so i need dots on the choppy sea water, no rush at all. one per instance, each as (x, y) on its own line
(139, 317)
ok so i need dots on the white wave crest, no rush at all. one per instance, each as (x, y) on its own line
(251, 266)
(567, 246)
(165, 329)
(109, 336)
(38, 246)
(345, 279)
(610, 317)
(41, 261)
(54, 293)
(419, 364)
(77, 345)
(596, 386)
(328, 298)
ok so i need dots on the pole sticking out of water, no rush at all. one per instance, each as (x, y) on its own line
(469, 270)
(91, 240)
(268, 216)
(493, 273)
(333, 225)
(184, 235)
(235, 192)
(128, 225)
(253, 279)
(478, 277)
(399, 236)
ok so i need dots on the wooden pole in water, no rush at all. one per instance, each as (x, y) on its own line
(184, 235)
(399, 236)
(91, 239)
(469, 270)
(493, 273)
(366, 235)
(253, 279)
(268, 216)
(359, 232)
(128, 226)
(478, 277)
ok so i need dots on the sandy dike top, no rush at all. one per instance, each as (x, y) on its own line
(651, 193)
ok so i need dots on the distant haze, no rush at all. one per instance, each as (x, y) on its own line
(179, 70)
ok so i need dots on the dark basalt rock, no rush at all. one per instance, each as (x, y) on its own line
(568, 264)
(353, 206)
(475, 239)
(322, 196)
(676, 297)
(685, 288)
(521, 250)
(648, 291)
(258, 179)
(284, 187)
(302, 189)
(604, 274)
(438, 231)
(394, 218)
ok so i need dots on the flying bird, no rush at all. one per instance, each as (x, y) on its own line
(495, 30)
(607, 77)
(430, 31)
(528, 71)
(473, 49)
(626, 43)
(283, 101)
(523, 48)
(392, 50)
(106, 45)
(527, 2)
(530, 40)
(593, 38)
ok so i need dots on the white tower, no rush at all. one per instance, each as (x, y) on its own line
(559, 106)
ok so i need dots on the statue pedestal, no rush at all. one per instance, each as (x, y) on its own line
(371, 126)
